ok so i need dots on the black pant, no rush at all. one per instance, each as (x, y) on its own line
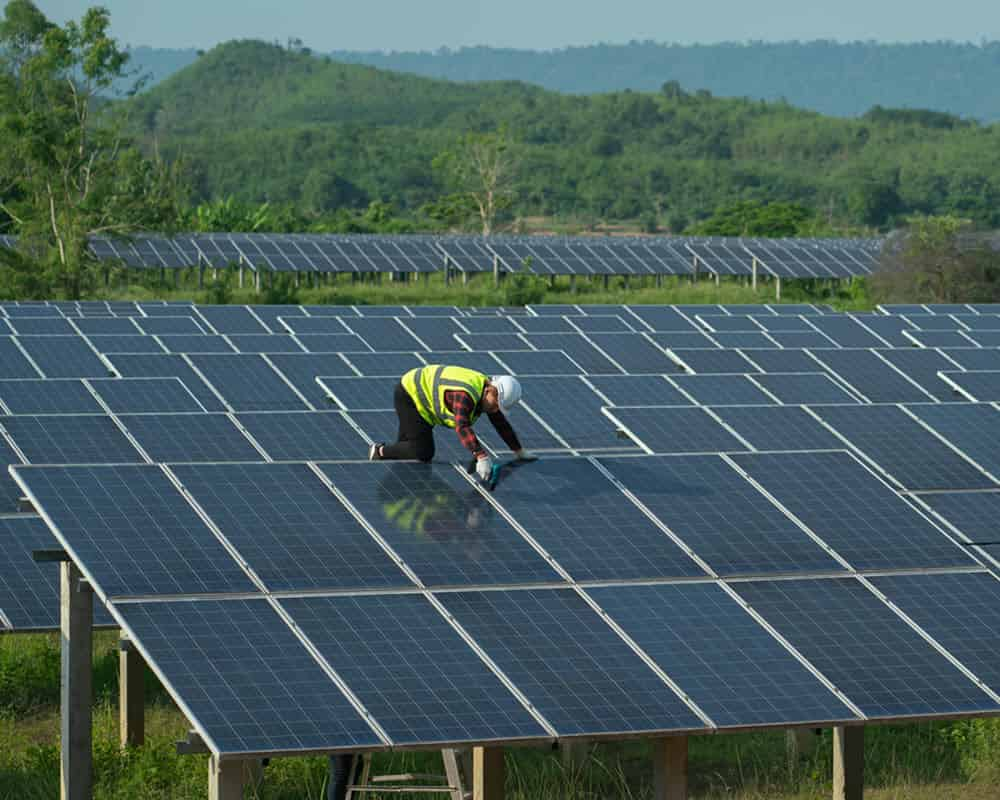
(416, 436)
(340, 776)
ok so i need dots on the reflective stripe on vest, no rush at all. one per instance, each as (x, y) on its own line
(429, 400)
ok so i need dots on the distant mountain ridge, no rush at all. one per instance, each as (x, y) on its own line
(839, 79)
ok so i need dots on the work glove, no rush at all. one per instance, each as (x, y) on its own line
(484, 468)
(525, 455)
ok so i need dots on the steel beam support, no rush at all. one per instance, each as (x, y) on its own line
(76, 628)
(849, 763)
(487, 773)
(670, 768)
(131, 695)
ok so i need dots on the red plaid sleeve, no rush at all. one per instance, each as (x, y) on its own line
(462, 406)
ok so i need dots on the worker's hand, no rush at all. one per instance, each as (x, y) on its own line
(484, 468)
(525, 455)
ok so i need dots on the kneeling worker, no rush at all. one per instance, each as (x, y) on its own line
(454, 397)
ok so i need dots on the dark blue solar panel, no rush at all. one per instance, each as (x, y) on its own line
(949, 338)
(106, 326)
(289, 527)
(727, 323)
(869, 653)
(265, 343)
(481, 362)
(600, 323)
(9, 490)
(190, 437)
(333, 343)
(633, 352)
(133, 531)
(384, 334)
(248, 382)
(779, 428)
(846, 332)
(974, 358)
(170, 325)
(388, 649)
(538, 362)
(804, 388)
(712, 361)
(383, 426)
(979, 385)
(974, 513)
(784, 324)
(439, 524)
(547, 324)
(871, 376)
(902, 447)
(586, 427)
(637, 390)
(145, 395)
(697, 341)
(480, 325)
(677, 430)
(569, 663)
(363, 394)
(13, 363)
(889, 328)
(167, 366)
(437, 333)
(576, 347)
(796, 340)
(42, 326)
(532, 434)
(382, 311)
(269, 315)
(390, 365)
(745, 341)
(232, 319)
(720, 515)
(64, 357)
(961, 612)
(120, 343)
(662, 318)
(585, 522)
(721, 390)
(196, 343)
(972, 428)
(37, 396)
(302, 369)
(852, 511)
(330, 311)
(305, 435)
(29, 592)
(314, 325)
(70, 439)
(719, 655)
(783, 360)
(260, 691)
(502, 341)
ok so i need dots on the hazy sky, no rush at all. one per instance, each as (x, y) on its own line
(537, 24)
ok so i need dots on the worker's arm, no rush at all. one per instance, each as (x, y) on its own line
(503, 427)
(462, 406)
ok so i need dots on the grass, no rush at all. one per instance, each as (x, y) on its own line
(939, 761)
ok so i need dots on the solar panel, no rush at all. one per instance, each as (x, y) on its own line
(268, 314)
(797, 341)
(944, 338)
(719, 655)
(248, 382)
(63, 357)
(196, 343)
(361, 394)
(982, 338)
(289, 528)
(29, 591)
(265, 343)
(922, 366)
(683, 339)
(439, 524)
(133, 530)
(890, 329)
(333, 343)
(304, 435)
(804, 388)
(745, 341)
(784, 324)
(537, 362)
(480, 362)
(106, 326)
(909, 453)
(436, 333)
(569, 663)
(302, 369)
(384, 335)
(592, 360)
(720, 515)
(178, 325)
(601, 323)
(778, 428)
(976, 385)
(871, 377)
(975, 514)
(731, 323)
(480, 325)
(382, 311)
(847, 332)
(10, 493)
(675, 429)
(262, 690)
(856, 514)
(499, 341)
(145, 395)
(712, 362)
(637, 390)
(330, 311)
(167, 366)
(723, 390)
(13, 363)
(972, 428)
(388, 650)
(42, 326)
(384, 365)
(573, 410)
(546, 324)
(662, 318)
(37, 396)
(231, 319)
(933, 322)
(870, 654)
(125, 344)
(190, 437)
(978, 322)
(314, 325)
(70, 439)
(633, 352)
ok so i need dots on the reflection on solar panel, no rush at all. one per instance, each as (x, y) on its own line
(285, 699)
(977, 385)
(133, 530)
(63, 357)
(903, 448)
(633, 352)
(37, 396)
(974, 429)
(145, 395)
(778, 428)
(385, 365)
(439, 524)
(289, 528)
(720, 515)
(537, 362)
(568, 662)
(804, 388)
(167, 366)
(675, 429)
(190, 437)
(870, 376)
(380, 644)
(713, 361)
(70, 439)
(844, 504)
(247, 382)
(362, 394)
(576, 347)
(304, 435)
(870, 654)
(719, 655)
(721, 390)
(637, 390)
(196, 343)
(975, 514)
(265, 343)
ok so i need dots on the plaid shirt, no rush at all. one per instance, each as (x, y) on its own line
(462, 406)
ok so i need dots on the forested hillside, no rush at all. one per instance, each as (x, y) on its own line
(265, 123)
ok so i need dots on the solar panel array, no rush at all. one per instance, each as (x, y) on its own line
(724, 530)
(540, 255)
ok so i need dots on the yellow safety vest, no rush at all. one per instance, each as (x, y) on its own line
(427, 385)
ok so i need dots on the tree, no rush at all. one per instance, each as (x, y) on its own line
(67, 170)
(482, 169)
(751, 218)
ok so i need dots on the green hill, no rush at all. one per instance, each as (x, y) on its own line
(262, 122)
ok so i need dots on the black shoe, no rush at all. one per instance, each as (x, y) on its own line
(373, 452)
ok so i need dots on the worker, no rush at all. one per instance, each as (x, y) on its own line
(454, 397)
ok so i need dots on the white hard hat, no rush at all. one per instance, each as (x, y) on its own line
(508, 391)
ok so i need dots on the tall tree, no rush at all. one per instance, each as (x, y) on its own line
(67, 169)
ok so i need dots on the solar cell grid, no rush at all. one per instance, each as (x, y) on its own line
(592, 360)
(980, 338)
(261, 692)
(804, 388)
(537, 362)
(499, 341)
(979, 322)
(481, 362)
(796, 340)
(947, 338)
(719, 655)
(133, 530)
(106, 326)
(757, 341)
(436, 333)
(304, 435)
(922, 366)
(302, 369)
(976, 385)
(675, 429)
(106, 345)
(856, 514)
(721, 390)
(601, 323)
(63, 357)
(145, 395)
(42, 326)
(439, 524)
(190, 437)
(847, 332)
(716, 362)
(29, 591)
(174, 325)
(869, 653)
(778, 428)
(313, 325)
(872, 377)
(975, 514)
(484, 324)
(247, 382)
(359, 394)
(662, 318)
(383, 426)
(70, 439)
(388, 650)
(732, 323)
(231, 319)
(633, 352)
(546, 324)
(333, 343)
(933, 322)
(265, 343)
(37, 396)
(384, 365)
(684, 340)
(971, 427)
(383, 335)
(646, 390)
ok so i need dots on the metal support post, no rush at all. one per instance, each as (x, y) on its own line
(607, 282)
(201, 276)
(801, 743)
(659, 281)
(76, 628)
(496, 270)
(848, 763)
(241, 275)
(487, 773)
(225, 779)
(131, 694)
(753, 276)
(465, 279)
(777, 288)
(256, 281)
(625, 279)
(552, 281)
(572, 283)
(718, 280)
(670, 768)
